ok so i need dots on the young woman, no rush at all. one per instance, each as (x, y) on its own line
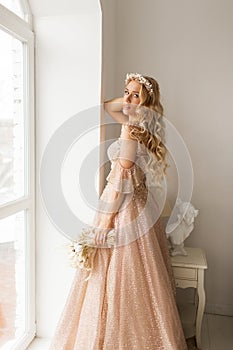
(128, 300)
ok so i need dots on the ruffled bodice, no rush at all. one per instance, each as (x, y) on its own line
(113, 152)
(126, 180)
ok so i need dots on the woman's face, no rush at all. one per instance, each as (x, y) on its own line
(131, 97)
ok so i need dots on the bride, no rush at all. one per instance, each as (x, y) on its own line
(123, 297)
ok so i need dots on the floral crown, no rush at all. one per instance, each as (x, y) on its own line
(140, 78)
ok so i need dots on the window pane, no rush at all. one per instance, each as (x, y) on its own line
(12, 278)
(11, 119)
(14, 6)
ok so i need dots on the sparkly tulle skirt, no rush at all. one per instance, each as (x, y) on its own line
(129, 300)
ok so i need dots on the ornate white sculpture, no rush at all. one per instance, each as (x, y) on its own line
(178, 235)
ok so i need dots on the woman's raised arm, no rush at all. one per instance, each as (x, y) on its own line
(114, 108)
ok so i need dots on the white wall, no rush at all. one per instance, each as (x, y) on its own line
(109, 52)
(68, 80)
(187, 46)
(109, 66)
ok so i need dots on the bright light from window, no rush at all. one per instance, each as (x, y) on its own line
(12, 278)
(11, 119)
(14, 6)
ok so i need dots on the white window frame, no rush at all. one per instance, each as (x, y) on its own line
(22, 30)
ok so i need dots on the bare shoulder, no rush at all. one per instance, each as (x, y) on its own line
(125, 132)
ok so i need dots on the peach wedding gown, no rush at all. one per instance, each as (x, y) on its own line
(129, 300)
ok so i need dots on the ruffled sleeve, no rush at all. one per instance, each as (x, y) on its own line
(113, 150)
(120, 182)
(125, 180)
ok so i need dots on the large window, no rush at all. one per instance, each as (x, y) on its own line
(17, 163)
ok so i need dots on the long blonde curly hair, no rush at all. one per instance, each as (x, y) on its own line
(151, 129)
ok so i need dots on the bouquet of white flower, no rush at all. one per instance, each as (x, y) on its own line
(81, 252)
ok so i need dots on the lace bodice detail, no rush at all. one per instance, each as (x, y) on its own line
(122, 179)
(113, 152)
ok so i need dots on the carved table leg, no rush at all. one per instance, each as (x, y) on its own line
(201, 306)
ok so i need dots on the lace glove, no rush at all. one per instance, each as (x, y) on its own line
(101, 233)
(108, 206)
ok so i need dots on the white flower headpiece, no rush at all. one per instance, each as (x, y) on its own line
(140, 78)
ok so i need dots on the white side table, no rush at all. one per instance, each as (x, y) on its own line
(189, 272)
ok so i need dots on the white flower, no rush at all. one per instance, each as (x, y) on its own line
(81, 252)
(141, 79)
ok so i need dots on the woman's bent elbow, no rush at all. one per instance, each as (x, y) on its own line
(126, 164)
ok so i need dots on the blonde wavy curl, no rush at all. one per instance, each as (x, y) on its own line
(150, 129)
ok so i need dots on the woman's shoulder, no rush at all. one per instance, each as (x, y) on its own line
(126, 129)
(130, 125)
